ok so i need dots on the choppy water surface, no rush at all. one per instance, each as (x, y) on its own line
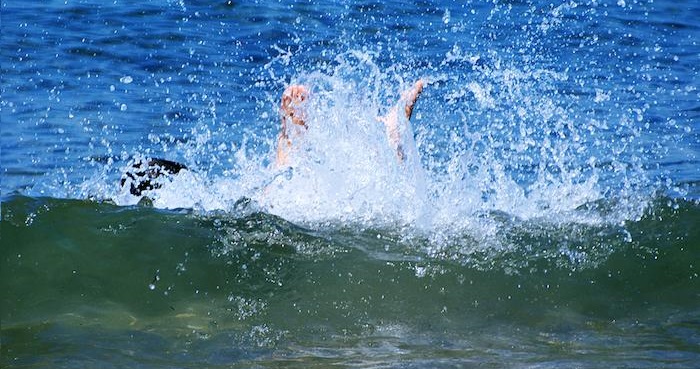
(546, 215)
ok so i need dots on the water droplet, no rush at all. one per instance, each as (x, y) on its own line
(126, 80)
(446, 16)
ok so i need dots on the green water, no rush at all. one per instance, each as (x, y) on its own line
(88, 284)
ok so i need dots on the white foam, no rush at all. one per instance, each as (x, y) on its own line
(344, 170)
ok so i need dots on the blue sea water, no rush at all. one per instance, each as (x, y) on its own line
(546, 215)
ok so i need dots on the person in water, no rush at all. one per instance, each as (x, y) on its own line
(294, 126)
(149, 173)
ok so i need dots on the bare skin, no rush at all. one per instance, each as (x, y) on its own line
(293, 121)
(391, 119)
(294, 125)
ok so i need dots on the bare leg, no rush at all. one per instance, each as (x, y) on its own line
(293, 120)
(391, 120)
(411, 96)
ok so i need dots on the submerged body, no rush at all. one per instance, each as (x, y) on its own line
(149, 174)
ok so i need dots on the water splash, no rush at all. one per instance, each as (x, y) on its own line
(491, 138)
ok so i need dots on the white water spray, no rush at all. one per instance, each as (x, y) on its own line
(344, 171)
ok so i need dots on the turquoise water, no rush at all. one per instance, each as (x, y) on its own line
(97, 285)
(546, 215)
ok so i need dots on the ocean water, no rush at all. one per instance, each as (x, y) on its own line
(546, 214)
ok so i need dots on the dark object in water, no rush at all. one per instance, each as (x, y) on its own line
(148, 174)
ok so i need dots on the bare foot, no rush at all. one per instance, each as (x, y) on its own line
(411, 96)
(293, 119)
